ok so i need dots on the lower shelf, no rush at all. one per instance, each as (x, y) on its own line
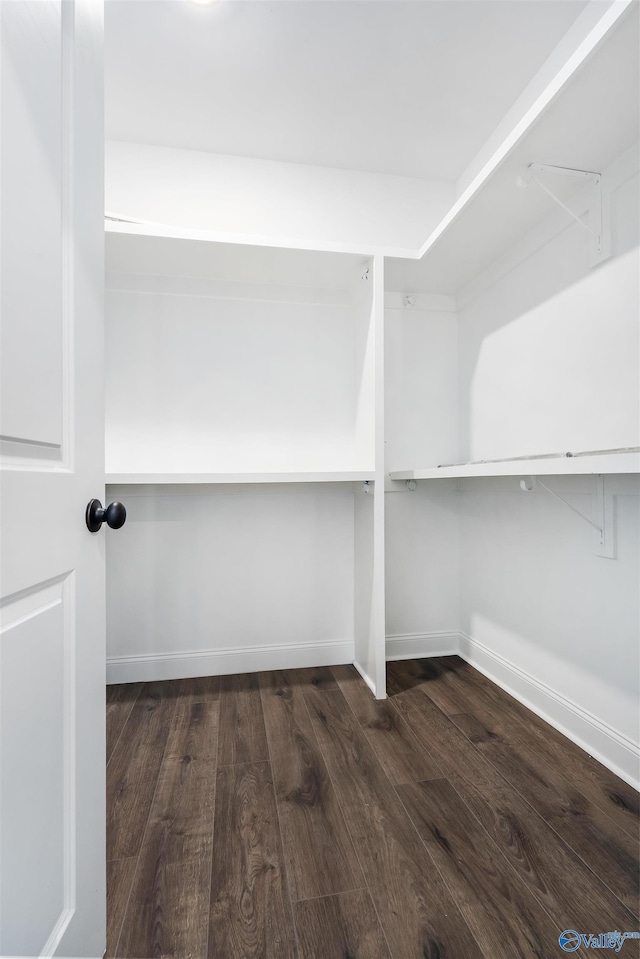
(339, 476)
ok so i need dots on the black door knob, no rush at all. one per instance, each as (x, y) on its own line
(114, 515)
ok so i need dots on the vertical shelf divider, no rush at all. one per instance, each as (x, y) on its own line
(369, 593)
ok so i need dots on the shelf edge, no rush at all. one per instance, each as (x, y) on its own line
(570, 466)
(205, 479)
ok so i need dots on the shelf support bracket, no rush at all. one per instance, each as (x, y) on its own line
(600, 245)
(604, 506)
(399, 486)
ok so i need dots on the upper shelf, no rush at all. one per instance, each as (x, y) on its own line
(153, 479)
(592, 121)
(627, 461)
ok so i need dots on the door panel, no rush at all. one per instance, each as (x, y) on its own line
(52, 609)
(32, 236)
(36, 647)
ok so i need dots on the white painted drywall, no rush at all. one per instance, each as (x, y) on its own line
(229, 579)
(422, 561)
(421, 388)
(421, 419)
(549, 361)
(222, 384)
(263, 201)
(535, 594)
(549, 354)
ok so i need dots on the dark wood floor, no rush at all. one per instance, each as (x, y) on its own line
(289, 814)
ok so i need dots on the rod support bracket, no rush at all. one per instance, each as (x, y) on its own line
(604, 506)
(598, 218)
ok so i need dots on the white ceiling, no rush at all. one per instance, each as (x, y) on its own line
(407, 87)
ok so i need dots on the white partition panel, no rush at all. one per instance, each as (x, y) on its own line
(369, 505)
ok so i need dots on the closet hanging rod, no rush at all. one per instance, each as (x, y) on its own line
(543, 456)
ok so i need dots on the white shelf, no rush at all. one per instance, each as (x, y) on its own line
(627, 462)
(161, 479)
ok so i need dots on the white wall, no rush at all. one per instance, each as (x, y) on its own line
(549, 362)
(422, 569)
(421, 382)
(228, 385)
(211, 580)
(261, 201)
(549, 357)
(422, 527)
(234, 375)
(547, 617)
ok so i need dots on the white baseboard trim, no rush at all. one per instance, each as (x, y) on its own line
(600, 740)
(147, 667)
(365, 675)
(422, 645)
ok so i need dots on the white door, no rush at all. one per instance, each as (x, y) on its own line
(52, 651)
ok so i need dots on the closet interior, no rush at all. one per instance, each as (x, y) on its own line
(332, 457)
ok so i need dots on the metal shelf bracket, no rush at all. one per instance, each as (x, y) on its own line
(603, 509)
(597, 226)
(399, 486)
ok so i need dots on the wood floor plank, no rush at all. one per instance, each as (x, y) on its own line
(314, 677)
(168, 912)
(340, 926)
(468, 691)
(128, 805)
(121, 698)
(560, 880)
(133, 771)
(319, 854)
(242, 733)
(194, 730)
(204, 689)
(172, 917)
(502, 914)
(120, 874)
(416, 911)
(145, 734)
(607, 850)
(401, 755)
(430, 675)
(250, 912)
